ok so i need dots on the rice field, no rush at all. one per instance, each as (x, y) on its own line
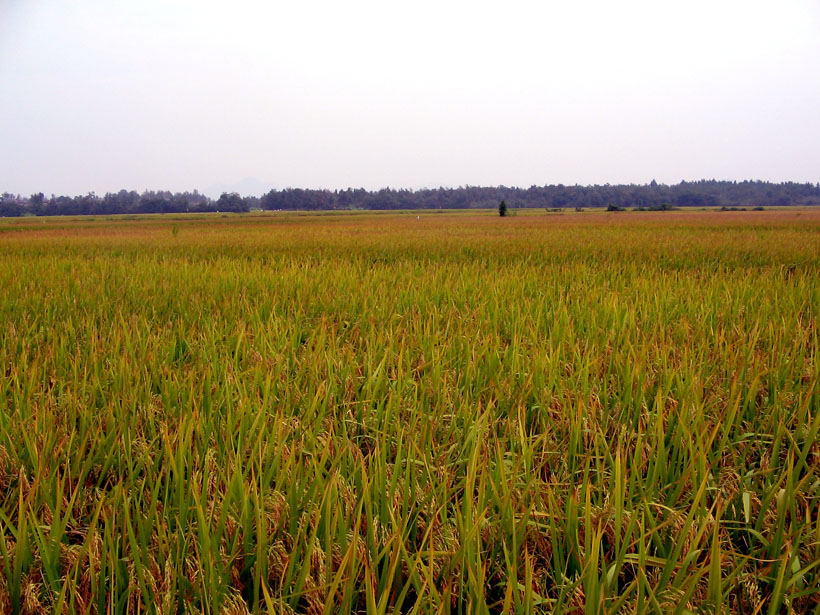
(411, 413)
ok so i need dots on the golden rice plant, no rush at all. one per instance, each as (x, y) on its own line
(375, 413)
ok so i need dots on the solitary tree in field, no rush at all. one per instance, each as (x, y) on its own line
(502, 209)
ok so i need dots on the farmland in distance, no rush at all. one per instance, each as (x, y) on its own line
(435, 412)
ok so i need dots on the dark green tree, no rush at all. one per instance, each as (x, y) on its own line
(502, 209)
(231, 202)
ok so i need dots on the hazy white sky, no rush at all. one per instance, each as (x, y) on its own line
(177, 94)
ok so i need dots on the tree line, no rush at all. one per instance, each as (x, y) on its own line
(703, 193)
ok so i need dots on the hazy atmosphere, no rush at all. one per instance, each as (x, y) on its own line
(100, 96)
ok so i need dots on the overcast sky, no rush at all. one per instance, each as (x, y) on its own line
(173, 94)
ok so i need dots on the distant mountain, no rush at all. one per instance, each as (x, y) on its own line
(431, 186)
(250, 186)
